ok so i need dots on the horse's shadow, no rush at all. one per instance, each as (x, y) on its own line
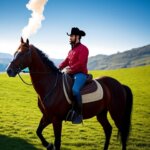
(14, 143)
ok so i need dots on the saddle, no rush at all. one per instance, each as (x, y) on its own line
(90, 85)
(92, 90)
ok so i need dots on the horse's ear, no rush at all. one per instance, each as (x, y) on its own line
(22, 40)
(27, 41)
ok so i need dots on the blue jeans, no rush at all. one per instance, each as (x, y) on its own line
(79, 81)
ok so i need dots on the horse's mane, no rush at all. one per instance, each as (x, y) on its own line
(46, 60)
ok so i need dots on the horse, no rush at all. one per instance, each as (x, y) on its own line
(47, 81)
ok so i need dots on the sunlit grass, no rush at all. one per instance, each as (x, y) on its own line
(19, 116)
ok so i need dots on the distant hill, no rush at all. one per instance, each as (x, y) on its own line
(4, 61)
(6, 58)
(131, 58)
(56, 61)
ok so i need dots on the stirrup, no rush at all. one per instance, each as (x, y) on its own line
(70, 115)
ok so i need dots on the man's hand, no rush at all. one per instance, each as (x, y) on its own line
(67, 69)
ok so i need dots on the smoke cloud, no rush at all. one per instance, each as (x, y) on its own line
(37, 8)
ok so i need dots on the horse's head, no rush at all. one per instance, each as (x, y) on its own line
(21, 60)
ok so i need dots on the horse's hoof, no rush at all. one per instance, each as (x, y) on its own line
(50, 147)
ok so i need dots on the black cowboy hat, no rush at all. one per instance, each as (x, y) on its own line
(76, 31)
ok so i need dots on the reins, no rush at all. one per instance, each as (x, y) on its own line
(23, 80)
(32, 73)
(36, 73)
(50, 91)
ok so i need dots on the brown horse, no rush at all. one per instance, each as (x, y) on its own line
(47, 81)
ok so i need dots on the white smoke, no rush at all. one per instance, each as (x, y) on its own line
(37, 8)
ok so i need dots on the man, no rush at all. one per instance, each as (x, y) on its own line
(76, 65)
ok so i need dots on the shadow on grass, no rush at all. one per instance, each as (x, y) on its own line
(14, 143)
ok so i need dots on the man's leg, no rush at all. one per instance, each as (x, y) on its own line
(79, 81)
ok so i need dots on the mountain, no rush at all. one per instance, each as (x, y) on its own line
(56, 61)
(131, 58)
(6, 58)
(4, 61)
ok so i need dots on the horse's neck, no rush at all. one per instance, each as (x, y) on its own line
(42, 77)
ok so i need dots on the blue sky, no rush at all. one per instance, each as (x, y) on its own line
(111, 25)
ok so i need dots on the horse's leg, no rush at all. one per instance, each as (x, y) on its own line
(102, 118)
(43, 124)
(57, 126)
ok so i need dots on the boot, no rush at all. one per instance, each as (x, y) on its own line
(77, 119)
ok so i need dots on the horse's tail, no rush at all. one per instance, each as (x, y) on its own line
(126, 124)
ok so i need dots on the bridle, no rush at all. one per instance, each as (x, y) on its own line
(19, 69)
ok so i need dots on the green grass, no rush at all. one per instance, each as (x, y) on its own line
(19, 116)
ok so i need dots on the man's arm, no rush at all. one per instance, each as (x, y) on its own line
(64, 64)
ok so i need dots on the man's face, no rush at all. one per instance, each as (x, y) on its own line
(74, 39)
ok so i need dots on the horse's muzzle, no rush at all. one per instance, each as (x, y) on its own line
(11, 72)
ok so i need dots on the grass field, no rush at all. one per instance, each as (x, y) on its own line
(19, 116)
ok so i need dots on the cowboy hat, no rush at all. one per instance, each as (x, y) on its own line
(76, 31)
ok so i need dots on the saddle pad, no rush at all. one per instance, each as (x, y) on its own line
(89, 87)
(90, 97)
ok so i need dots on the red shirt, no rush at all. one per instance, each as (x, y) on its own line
(77, 59)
